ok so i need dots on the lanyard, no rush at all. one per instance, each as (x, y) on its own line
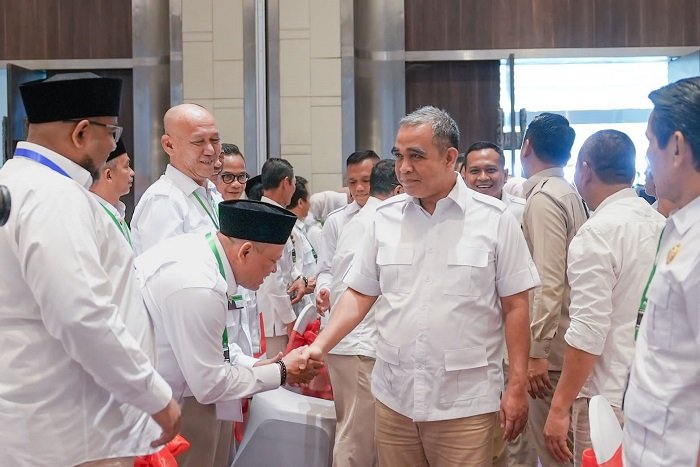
(123, 228)
(224, 337)
(41, 159)
(214, 218)
(643, 304)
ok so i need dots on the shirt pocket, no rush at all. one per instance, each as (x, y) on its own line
(660, 312)
(387, 363)
(466, 375)
(395, 269)
(463, 266)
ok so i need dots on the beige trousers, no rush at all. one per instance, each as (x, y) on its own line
(115, 462)
(354, 410)
(275, 344)
(460, 442)
(582, 427)
(539, 410)
(210, 439)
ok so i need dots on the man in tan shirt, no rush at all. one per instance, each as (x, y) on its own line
(553, 214)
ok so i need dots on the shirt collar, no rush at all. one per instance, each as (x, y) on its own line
(530, 183)
(299, 224)
(182, 181)
(231, 284)
(618, 195)
(459, 195)
(353, 207)
(685, 217)
(73, 170)
(372, 202)
(119, 210)
(271, 201)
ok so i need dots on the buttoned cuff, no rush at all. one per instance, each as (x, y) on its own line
(269, 375)
(540, 348)
(156, 397)
(363, 284)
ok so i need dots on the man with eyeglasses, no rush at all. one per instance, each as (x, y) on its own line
(77, 343)
(231, 181)
(181, 200)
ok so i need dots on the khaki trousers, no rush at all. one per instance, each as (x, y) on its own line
(115, 462)
(460, 442)
(582, 427)
(539, 409)
(354, 410)
(210, 439)
(275, 345)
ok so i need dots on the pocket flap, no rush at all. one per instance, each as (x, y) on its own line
(388, 352)
(464, 359)
(469, 256)
(645, 411)
(387, 256)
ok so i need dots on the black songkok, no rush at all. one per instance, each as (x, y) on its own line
(118, 151)
(255, 221)
(69, 96)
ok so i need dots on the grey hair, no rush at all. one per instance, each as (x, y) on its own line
(445, 130)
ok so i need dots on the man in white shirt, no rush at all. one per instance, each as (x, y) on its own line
(286, 285)
(608, 263)
(76, 380)
(305, 256)
(113, 181)
(189, 283)
(661, 405)
(453, 268)
(181, 201)
(351, 361)
(484, 170)
(359, 170)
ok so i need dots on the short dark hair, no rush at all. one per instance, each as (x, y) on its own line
(612, 156)
(254, 188)
(551, 137)
(301, 192)
(677, 108)
(229, 149)
(383, 179)
(479, 145)
(358, 157)
(274, 170)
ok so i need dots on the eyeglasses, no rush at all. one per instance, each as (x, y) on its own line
(228, 177)
(116, 130)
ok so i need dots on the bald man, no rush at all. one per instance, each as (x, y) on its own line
(180, 201)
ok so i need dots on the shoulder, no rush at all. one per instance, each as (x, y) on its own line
(394, 202)
(515, 200)
(488, 202)
(336, 212)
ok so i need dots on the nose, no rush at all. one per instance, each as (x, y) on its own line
(483, 175)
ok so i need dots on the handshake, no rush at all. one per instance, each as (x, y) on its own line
(302, 364)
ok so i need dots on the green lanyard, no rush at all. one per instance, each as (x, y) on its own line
(121, 225)
(212, 214)
(643, 304)
(224, 337)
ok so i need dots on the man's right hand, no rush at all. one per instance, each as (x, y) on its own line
(539, 384)
(169, 421)
(323, 302)
(300, 369)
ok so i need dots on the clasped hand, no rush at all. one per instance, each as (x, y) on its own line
(301, 366)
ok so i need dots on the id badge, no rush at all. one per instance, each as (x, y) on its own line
(229, 411)
(236, 302)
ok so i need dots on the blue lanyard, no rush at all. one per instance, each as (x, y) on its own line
(41, 159)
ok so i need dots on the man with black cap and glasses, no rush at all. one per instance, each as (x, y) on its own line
(76, 374)
(189, 283)
(113, 181)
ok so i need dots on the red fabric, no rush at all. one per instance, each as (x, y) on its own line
(320, 386)
(263, 345)
(166, 456)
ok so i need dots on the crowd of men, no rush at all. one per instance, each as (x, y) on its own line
(469, 318)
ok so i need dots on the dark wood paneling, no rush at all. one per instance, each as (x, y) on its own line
(65, 29)
(531, 24)
(469, 91)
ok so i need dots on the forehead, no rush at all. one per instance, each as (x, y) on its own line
(482, 158)
(363, 169)
(233, 161)
(418, 136)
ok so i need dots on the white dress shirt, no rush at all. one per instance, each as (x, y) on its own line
(440, 343)
(515, 205)
(119, 212)
(76, 380)
(186, 297)
(662, 402)
(363, 339)
(170, 207)
(609, 262)
(332, 228)
(273, 299)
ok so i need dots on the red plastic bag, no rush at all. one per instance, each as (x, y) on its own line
(166, 456)
(320, 386)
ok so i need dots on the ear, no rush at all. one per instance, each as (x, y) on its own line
(452, 155)
(682, 152)
(398, 189)
(78, 134)
(526, 149)
(108, 174)
(505, 174)
(167, 143)
(244, 251)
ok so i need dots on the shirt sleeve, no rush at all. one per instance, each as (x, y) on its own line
(364, 273)
(329, 243)
(591, 273)
(193, 322)
(515, 271)
(547, 226)
(155, 218)
(76, 300)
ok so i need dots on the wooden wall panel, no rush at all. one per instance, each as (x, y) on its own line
(65, 29)
(469, 91)
(531, 24)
